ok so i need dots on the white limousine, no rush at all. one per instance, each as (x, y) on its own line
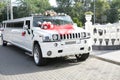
(47, 36)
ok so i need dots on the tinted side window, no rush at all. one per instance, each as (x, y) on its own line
(18, 24)
(15, 24)
(8, 24)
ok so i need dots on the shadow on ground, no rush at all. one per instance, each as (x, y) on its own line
(13, 61)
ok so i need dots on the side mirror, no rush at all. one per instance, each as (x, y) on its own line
(75, 24)
(25, 27)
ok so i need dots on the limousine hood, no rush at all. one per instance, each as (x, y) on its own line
(60, 29)
(56, 33)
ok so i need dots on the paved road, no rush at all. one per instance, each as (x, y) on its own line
(15, 65)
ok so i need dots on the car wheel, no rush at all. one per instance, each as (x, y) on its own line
(82, 57)
(37, 54)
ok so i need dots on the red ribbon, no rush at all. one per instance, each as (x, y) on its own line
(61, 29)
(23, 33)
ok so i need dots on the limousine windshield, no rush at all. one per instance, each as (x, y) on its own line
(55, 20)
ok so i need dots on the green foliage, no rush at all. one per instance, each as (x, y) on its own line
(74, 9)
(64, 3)
(119, 13)
(64, 6)
(115, 4)
(101, 7)
(113, 16)
(105, 11)
(114, 12)
(28, 7)
(2, 5)
(2, 8)
(88, 13)
(76, 20)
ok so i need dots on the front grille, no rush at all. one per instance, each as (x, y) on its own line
(70, 36)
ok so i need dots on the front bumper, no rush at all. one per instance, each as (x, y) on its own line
(65, 48)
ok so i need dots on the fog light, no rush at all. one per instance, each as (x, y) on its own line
(49, 53)
(56, 44)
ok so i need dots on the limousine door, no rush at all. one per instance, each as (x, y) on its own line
(17, 28)
(27, 36)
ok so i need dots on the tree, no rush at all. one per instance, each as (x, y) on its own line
(77, 13)
(2, 10)
(113, 15)
(119, 13)
(1, 7)
(115, 4)
(74, 8)
(64, 6)
(101, 8)
(114, 11)
(27, 7)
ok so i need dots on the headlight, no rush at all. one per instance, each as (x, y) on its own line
(55, 37)
(46, 38)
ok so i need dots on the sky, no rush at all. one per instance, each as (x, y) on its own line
(52, 2)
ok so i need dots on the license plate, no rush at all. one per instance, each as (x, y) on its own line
(70, 42)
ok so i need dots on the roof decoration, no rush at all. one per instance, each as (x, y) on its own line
(49, 13)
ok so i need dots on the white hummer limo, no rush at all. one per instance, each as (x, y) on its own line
(47, 36)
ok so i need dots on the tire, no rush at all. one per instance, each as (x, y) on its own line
(37, 54)
(4, 43)
(82, 57)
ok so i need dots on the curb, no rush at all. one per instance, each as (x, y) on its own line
(105, 59)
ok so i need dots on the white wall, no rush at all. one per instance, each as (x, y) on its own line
(104, 35)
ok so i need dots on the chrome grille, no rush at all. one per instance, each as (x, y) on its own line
(70, 36)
